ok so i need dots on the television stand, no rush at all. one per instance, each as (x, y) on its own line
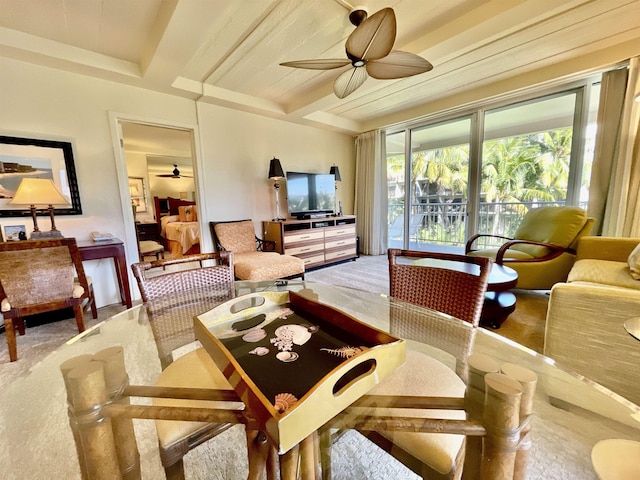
(318, 241)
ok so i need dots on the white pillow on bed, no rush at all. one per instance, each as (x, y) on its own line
(168, 219)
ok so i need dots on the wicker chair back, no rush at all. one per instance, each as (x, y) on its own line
(458, 292)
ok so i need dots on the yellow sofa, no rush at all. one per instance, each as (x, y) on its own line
(585, 319)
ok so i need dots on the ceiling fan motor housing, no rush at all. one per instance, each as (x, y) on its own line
(358, 15)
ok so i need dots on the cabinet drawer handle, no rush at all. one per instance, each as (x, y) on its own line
(304, 237)
(340, 243)
(305, 249)
(341, 232)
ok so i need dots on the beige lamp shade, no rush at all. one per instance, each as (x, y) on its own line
(38, 191)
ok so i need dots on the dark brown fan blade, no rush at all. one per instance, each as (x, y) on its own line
(374, 37)
(349, 81)
(319, 64)
(398, 65)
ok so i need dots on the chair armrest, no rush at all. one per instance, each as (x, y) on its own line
(265, 245)
(616, 249)
(468, 246)
(555, 252)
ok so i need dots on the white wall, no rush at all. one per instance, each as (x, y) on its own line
(238, 148)
(39, 102)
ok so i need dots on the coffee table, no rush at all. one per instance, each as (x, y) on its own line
(499, 302)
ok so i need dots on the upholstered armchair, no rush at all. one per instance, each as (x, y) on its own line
(543, 248)
(253, 258)
(38, 276)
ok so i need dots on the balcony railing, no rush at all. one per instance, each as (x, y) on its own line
(445, 223)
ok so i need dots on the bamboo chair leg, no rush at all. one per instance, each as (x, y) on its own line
(478, 365)
(258, 451)
(273, 464)
(289, 464)
(116, 379)
(65, 368)
(309, 457)
(87, 394)
(175, 471)
(325, 452)
(10, 333)
(528, 381)
(501, 419)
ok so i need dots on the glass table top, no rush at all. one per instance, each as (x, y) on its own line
(571, 413)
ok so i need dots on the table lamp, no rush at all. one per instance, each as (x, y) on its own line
(335, 171)
(276, 173)
(40, 191)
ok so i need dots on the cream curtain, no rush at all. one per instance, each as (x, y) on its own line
(615, 175)
(371, 200)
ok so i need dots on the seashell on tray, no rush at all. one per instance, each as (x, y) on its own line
(284, 401)
(260, 351)
(298, 334)
(287, 356)
(254, 335)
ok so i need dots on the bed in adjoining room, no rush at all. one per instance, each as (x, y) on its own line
(178, 225)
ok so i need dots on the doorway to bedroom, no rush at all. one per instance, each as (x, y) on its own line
(160, 170)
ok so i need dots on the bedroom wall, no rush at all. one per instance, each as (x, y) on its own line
(39, 102)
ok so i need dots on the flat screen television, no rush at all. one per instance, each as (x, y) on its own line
(310, 193)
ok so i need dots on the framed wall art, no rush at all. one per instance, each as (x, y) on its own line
(35, 158)
(138, 193)
(13, 233)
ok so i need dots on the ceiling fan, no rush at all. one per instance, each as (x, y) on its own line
(369, 52)
(174, 174)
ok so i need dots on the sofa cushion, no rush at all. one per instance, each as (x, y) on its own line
(604, 272)
(266, 265)
(422, 375)
(634, 262)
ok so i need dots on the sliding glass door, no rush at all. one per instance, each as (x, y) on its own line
(483, 171)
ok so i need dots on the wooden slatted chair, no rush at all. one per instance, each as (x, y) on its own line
(39, 276)
(204, 287)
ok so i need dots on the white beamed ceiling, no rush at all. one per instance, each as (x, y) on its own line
(227, 52)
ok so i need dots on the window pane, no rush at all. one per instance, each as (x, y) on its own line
(395, 182)
(439, 181)
(525, 160)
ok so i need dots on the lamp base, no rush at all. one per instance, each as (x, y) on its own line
(45, 235)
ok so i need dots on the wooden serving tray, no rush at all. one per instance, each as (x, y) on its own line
(294, 362)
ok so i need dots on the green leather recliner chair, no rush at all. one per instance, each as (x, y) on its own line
(543, 248)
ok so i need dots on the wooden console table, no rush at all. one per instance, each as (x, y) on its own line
(90, 250)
